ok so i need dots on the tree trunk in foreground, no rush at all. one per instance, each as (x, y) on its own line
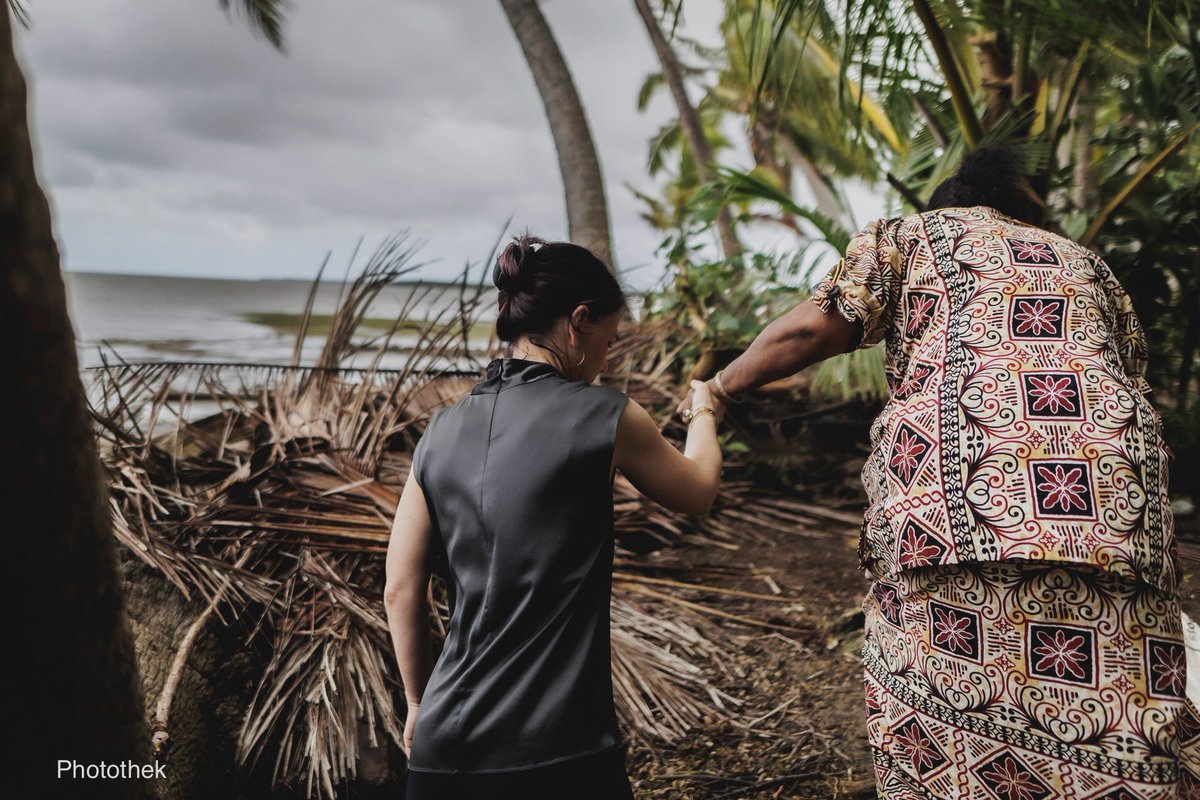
(77, 693)
(587, 209)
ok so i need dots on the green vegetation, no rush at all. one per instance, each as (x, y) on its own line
(1102, 101)
(322, 324)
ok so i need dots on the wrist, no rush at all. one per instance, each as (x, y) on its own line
(721, 391)
(699, 411)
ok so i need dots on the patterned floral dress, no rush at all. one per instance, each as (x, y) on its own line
(1023, 633)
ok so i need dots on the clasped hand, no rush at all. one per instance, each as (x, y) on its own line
(701, 394)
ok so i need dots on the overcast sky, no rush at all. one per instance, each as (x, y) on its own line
(173, 141)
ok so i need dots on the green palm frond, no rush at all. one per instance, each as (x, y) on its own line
(857, 374)
(20, 13)
(956, 82)
(266, 17)
(749, 186)
(650, 86)
(1148, 168)
(784, 67)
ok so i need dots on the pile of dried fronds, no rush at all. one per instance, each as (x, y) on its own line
(275, 509)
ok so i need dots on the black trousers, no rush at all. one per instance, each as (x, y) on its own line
(599, 776)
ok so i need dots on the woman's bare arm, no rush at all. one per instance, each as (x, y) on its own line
(405, 597)
(686, 481)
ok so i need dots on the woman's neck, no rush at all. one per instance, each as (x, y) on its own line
(526, 350)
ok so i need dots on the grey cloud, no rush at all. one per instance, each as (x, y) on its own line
(271, 208)
(111, 147)
(72, 171)
(382, 114)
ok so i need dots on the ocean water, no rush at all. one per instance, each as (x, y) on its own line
(158, 318)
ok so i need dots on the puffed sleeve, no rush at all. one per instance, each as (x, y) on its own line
(864, 286)
(1126, 329)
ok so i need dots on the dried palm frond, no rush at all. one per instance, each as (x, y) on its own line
(276, 507)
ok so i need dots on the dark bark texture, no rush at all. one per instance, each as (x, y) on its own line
(76, 691)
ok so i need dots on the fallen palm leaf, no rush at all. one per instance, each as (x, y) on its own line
(275, 509)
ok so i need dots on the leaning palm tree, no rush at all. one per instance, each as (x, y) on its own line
(587, 208)
(690, 122)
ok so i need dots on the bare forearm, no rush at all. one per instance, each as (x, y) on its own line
(796, 340)
(704, 450)
(408, 620)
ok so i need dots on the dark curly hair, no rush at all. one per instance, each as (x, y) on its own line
(989, 176)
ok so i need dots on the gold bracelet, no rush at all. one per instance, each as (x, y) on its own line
(722, 395)
(699, 412)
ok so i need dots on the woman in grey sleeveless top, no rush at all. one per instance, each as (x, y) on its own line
(513, 484)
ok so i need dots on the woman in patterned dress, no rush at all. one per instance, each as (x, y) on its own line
(1023, 632)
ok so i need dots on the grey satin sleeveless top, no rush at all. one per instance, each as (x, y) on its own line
(517, 477)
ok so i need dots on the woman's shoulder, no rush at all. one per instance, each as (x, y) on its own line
(610, 392)
(439, 415)
(597, 398)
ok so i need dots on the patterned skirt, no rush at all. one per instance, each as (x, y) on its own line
(1023, 681)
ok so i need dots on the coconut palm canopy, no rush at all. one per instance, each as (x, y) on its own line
(273, 511)
(1099, 100)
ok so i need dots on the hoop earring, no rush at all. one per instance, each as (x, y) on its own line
(583, 356)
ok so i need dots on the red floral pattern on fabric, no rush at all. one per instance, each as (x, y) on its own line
(1019, 680)
(1053, 394)
(1017, 366)
(1062, 653)
(1008, 778)
(1038, 317)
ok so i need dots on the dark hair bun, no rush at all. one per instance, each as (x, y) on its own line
(512, 264)
(540, 282)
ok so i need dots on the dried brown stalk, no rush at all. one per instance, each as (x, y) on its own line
(276, 509)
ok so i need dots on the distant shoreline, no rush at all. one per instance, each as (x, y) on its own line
(321, 324)
(306, 281)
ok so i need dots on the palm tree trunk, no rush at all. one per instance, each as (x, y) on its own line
(689, 119)
(996, 71)
(827, 202)
(587, 209)
(1084, 189)
(77, 693)
(763, 131)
